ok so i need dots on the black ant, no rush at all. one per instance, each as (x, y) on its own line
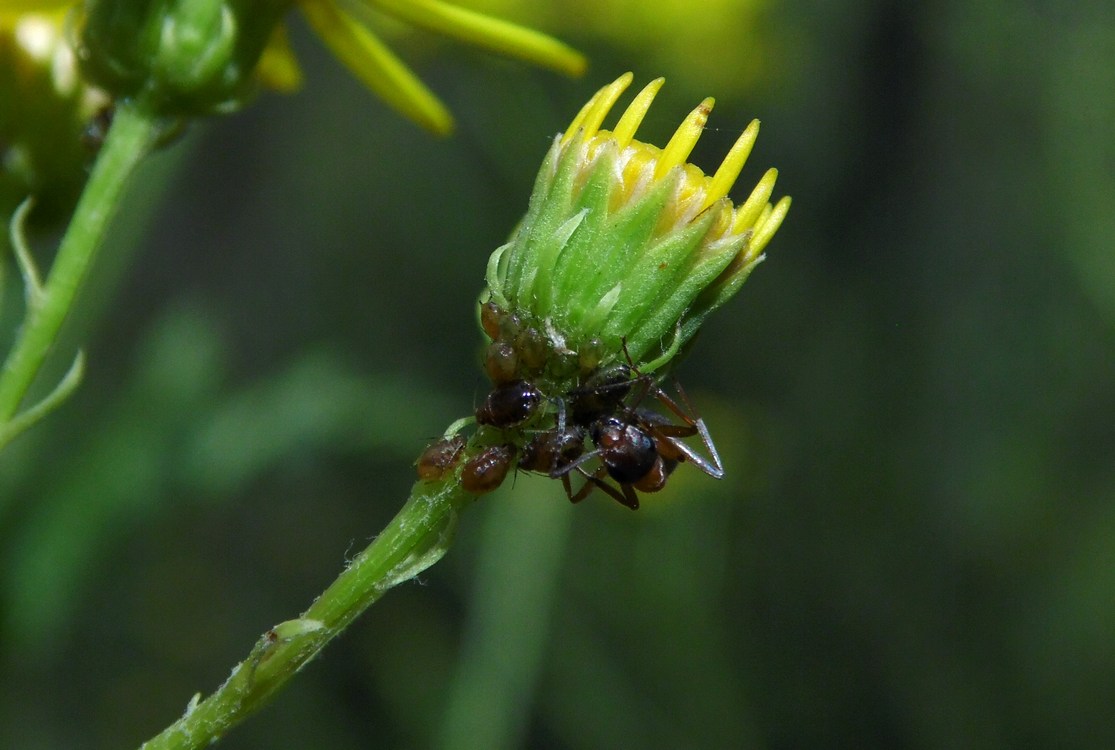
(638, 448)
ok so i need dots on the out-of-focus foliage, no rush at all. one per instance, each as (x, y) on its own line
(915, 542)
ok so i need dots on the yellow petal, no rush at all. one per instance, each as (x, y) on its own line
(603, 102)
(596, 109)
(635, 112)
(493, 34)
(681, 145)
(756, 202)
(375, 65)
(733, 163)
(765, 229)
(278, 68)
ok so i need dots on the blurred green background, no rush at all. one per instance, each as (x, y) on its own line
(914, 397)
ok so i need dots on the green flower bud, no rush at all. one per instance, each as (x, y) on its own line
(625, 245)
(185, 56)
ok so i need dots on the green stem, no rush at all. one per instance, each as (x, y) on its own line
(131, 137)
(415, 539)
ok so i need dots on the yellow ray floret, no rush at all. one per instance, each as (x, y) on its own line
(596, 109)
(730, 168)
(342, 25)
(642, 164)
(376, 66)
(767, 226)
(633, 117)
(756, 202)
(684, 139)
(494, 34)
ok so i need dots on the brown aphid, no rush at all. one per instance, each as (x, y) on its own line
(534, 349)
(439, 458)
(486, 470)
(548, 451)
(510, 325)
(509, 405)
(491, 315)
(501, 363)
(589, 355)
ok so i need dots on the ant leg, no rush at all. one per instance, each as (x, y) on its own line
(625, 496)
(630, 499)
(585, 491)
(645, 381)
(711, 465)
(582, 493)
(662, 425)
(576, 464)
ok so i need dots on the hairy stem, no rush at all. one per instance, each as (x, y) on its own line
(132, 136)
(415, 539)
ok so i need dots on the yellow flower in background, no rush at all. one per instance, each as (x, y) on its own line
(344, 27)
(45, 106)
(720, 45)
(12, 9)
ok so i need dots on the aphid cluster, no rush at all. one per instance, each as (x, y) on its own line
(531, 424)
